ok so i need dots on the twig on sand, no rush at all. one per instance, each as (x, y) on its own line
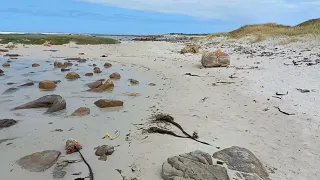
(289, 114)
(196, 75)
(281, 94)
(277, 97)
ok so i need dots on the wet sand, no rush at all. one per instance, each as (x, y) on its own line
(241, 113)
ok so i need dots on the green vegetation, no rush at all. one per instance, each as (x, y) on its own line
(262, 31)
(56, 39)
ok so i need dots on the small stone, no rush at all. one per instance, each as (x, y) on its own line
(95, 84)
(64, 69)
(47, 84)
(105, 103)
(107, 65)
(58, 64)
(4, 50)
(72, 76)
(11, 90)
(39, 161)
(152, 84)
(89, 74)
(67, 64)
(97, 70)
(35, 65)
(105, 86)
(1, 71)
(115, 75)
(133, 81)
(94, 65)
(6, 65)
(104, 55)
(82, 111)
(5, 123)
(28, 84)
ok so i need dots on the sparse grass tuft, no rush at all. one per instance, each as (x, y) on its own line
(262, 31)
(56, 39)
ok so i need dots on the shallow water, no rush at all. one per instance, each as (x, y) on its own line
(74, 91)
(35, 131)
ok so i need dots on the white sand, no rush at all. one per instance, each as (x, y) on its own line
(232, 114)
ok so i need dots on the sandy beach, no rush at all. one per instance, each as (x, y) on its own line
(242, 105)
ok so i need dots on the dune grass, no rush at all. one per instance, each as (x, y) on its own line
(56, 39)
(262, 31)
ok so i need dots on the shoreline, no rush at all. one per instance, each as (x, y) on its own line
(231, 114)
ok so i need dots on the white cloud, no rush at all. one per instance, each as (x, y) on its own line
(253, 10)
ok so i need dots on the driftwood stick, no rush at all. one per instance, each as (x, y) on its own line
(289, 114)
(281, 94)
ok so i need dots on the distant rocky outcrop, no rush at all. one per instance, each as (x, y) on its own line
(215, 59)
(190, 48)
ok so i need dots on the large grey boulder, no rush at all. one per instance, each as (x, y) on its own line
(244, 161)
(196, 165)
(215, 59)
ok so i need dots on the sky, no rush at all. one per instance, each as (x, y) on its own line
(149, 16)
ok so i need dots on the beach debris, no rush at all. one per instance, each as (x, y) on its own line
(11, 90)
(47, 84)
(5, 123)
(51, 50)
(52, 102)
(97, 70)
(105, 103)
(95, 84)
(115, 75)
(190, 48)
(72, 76)
(107, 135)
(81, 54)
(282, 94)
(107, 65)
(75, 59)
(35, 65)
(215, 59)
(1, 71)
(57, 130)
(82, 111)
(89, 74)
(197, 165)
(133, 81)
(39, 161)
(108, 85)
(303, 90)
(222, 82)
(58, 64)
(167, 119)
(4, 50)
(152, 84)
(72, 146)
(189, 74)
(6, 64)
(133, 94)
(276, 97)
(27, 84)
(11, 55)
(289, 114)
(104, 55)
(104, 151)
(242, 160)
